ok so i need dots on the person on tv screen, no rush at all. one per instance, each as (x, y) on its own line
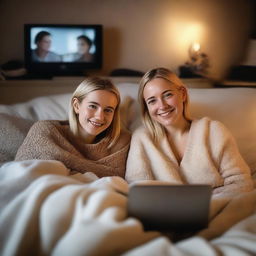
(83, 54)
(42, 52)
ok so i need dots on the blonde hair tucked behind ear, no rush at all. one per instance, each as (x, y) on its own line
(91, 84)
(157, 130)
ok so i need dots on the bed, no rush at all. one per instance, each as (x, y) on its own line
(46, 211)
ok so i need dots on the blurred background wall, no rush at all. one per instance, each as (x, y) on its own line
(140, 34)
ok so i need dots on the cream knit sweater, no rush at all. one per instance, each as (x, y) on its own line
(211, 157)
(53, 140)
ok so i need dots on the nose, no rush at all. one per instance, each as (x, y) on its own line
(99, 114)
(162, 103)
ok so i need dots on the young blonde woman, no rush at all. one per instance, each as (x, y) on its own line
(174, 148)
(92, 140)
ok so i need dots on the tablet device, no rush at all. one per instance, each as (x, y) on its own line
(170, 207)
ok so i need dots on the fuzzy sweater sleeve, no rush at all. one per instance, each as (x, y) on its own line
(148, 160)
(53, 140)
(138, 164)
(232, 167)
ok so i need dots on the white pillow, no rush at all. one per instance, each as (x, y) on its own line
(41, 108)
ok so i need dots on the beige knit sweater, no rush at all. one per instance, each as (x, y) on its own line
(52, 140)
(211, 157)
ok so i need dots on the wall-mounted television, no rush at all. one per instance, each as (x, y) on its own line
(59, 49)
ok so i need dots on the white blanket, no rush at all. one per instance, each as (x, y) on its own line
(44, 211)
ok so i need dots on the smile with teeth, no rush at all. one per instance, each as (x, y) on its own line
(95, 123)
(165, 113)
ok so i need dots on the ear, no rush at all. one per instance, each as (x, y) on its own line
(76, 105)
(184, 93)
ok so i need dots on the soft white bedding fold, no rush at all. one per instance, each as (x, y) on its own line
(45, 211)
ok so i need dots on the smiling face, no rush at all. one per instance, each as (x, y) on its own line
(95, 113)
(164, 101)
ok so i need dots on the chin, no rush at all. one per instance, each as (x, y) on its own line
(167, 122)
(92, 133)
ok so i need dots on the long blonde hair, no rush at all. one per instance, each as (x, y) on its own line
(91, 84)
(157, 130)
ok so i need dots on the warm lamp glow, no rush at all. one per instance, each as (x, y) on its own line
(194, 50)
(183, 34)
(198, 61)
(195, 47)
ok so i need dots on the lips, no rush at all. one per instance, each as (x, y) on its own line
(96, 124)
(166, 113)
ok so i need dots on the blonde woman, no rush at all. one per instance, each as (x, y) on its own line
(92, 140)
(174, 148)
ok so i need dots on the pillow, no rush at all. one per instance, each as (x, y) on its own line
(130, 91)
(125, 112)
(52, 107)
(13, 131)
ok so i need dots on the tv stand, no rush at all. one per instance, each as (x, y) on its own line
(31, 76)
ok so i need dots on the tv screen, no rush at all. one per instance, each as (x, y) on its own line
(52, 50)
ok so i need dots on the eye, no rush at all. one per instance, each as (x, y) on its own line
(92, 106)
(168, 94)
(109, 110)
(150, 102)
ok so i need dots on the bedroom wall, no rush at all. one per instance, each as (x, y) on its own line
(140, 34)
